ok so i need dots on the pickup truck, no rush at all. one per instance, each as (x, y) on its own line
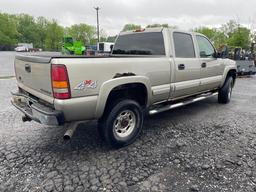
(148, 71)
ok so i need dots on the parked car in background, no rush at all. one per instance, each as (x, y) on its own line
(90, 50)
(23, 47)
(245, 67)
(26, 47)
(245, 60)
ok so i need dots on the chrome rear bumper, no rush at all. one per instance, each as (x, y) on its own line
(36, 111)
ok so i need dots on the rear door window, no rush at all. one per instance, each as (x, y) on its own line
(184, 46)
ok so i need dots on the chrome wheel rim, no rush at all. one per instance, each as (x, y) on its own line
(124, 124)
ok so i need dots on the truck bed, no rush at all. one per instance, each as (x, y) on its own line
(45, 57)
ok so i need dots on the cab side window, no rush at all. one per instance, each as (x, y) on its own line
(205, 47)
(184, 46)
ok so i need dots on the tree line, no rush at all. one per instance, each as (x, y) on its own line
(43, 33)
(47, 34)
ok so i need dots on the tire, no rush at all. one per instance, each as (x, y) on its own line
(225, 92)
(122, 123)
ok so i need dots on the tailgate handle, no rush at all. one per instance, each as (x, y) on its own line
(28, 68)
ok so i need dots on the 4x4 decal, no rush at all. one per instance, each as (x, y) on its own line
(86, 84)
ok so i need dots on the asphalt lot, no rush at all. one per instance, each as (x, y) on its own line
(6, 63)
(204, 147)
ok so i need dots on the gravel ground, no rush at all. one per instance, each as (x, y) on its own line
(201, 147)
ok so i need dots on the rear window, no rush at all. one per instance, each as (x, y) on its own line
(151, 43)
(184, 47)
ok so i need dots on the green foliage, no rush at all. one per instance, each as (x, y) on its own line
(48, 35)
(157, 25)
(111, 39)
(208, 32)
(26, 29)
(130, 27)
(253, 36)
(217, 37)
(103, 36)
(41, 30)
(165, 25)
(8, 31)
(54, 35)
(231, 34)
(82, 32)
(240, 37)
(229, 27)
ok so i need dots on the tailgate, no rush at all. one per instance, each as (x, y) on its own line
(34, 73)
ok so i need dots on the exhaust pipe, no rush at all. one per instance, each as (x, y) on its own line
(70, 131)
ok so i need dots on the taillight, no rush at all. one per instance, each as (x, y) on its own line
(60, 82)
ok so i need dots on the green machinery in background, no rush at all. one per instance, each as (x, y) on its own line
(72, 47)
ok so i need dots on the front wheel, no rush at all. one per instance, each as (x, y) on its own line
(122, 123)
(225, 92)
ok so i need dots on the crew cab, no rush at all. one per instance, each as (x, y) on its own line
(149, 71)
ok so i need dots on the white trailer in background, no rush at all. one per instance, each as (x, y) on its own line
(104, 47)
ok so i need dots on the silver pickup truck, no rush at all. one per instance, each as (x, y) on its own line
(149, 71)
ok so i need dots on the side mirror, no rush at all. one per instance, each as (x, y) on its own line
(222, 52)
(203, 54)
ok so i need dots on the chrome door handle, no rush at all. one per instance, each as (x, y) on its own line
(203, 65)
(181, 66)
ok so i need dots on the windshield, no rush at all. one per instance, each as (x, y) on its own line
(151, 43)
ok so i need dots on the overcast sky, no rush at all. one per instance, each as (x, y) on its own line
(186, 14)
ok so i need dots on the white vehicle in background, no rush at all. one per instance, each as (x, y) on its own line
(104, 47)
(24, 47)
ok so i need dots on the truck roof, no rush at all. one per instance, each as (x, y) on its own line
(157, 29)
(142, 30)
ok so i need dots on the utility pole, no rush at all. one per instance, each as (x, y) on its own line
(98, 25)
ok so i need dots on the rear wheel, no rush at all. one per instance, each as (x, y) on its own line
(122, 123)
(225, 92)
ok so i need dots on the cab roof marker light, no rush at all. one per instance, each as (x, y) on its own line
(139, 30)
